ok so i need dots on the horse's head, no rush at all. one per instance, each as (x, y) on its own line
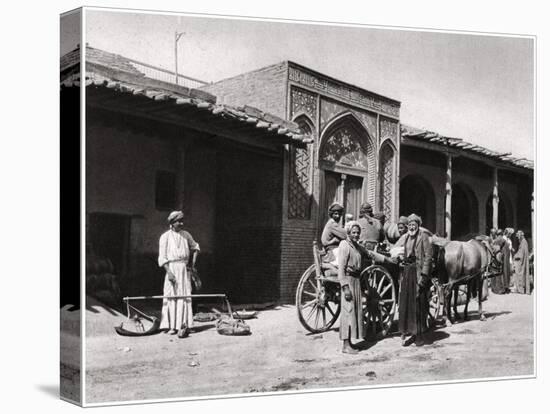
(496, 254)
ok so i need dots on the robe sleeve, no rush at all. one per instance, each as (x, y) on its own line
(343, 257)
(193, 245)
(163, 250)
(331, 230)
(401, 241)
(325, 237)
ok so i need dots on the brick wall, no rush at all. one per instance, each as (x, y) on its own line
(264, 89)
(248, 225)
(296, 255)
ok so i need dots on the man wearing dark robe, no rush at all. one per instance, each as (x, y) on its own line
(498, 284)
(371, 229)
(414, 284)
(521, 265)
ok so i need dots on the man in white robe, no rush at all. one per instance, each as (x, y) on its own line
(177, 250)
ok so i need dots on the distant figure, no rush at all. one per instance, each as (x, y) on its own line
(521, 265)
(498, 284)
(507, 258)
(395, 230)
(492, 235)
(371, 229)
(402, 225)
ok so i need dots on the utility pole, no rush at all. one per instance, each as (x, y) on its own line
(177, 37)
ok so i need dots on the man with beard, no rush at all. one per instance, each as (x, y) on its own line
(414, 284)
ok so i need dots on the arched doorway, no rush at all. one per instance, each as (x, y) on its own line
(416, 195)
(464, 212)
(347, 159)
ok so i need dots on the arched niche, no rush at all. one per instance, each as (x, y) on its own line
(300, 174)
(464, 212)
(387, 166)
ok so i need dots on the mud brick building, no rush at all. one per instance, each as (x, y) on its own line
(255, 160)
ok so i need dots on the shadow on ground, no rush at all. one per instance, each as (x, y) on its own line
(49, 389)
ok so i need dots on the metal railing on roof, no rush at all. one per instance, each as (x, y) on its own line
(165, 75)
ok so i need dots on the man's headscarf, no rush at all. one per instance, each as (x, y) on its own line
(175, 216)
(351, 224)
(335, 207)
(403, 220)
(414, 217)
(365, 210)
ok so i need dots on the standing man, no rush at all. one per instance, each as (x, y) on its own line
(350, 265)
(521, 265)
(414, 290)
(498, 283)
(177, 250)
(507, 257)
(371, 229)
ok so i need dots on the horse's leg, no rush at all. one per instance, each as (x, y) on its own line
(455, 310)
(479, 297)
(468, 292)
(448, 315)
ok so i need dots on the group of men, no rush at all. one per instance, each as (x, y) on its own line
(346, 247)
(516, 275)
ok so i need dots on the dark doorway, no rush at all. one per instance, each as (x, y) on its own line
(335, 184)
(464, 213)
(108, 237)
(503, 217)
(417, 196)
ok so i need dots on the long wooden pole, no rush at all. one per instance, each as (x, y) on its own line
(495, 198)
(209, 295)
(176, 56)
(448, 196)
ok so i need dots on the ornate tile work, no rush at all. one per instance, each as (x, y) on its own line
(303, 101)
(298, 192)
(388, 128)
(344, 147)
(387, 179)
(343, 91)
(369, 121)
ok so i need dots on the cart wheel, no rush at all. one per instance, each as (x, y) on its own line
(435, 304)
(379, 300)
(317, 302)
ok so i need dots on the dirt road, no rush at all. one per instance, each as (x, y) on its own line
(281, 356)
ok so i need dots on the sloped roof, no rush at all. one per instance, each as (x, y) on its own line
(108, 70)
(462, 145)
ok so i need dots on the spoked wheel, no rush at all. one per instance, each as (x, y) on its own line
(435, 304)
(379, 300)
(317, 302)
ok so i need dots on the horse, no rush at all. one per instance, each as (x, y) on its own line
(465, 263)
